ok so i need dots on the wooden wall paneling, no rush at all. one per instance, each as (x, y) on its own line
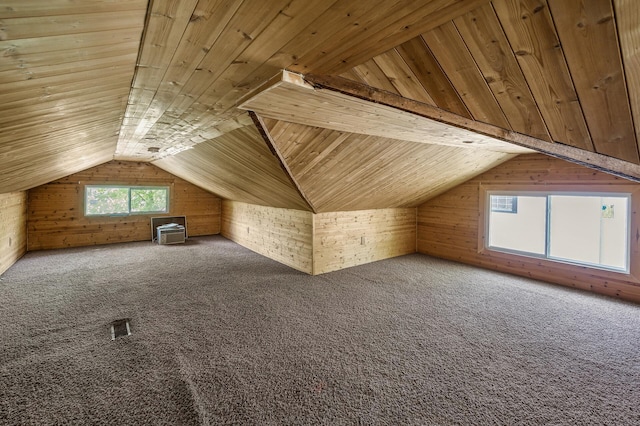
(351, 75)
(56, 210)
(627, 17)
(420, 59)
(35, 52)
(56, 49)
(320, 243)
(203, 209)
(456, 61)
(392, 24)
(188, 92)
(21, 137)
(116, 58)
(75, 23)
(284, 235)
(483, 36)
(22, 124)
(33, 8)
(163, 31)
(13, 228)
(64, 86)
(217, 87)
(177, 104)
(203, 28)
(289, 98)
(402, 77)
(346, 239)
(261, 60)
(370, 73)
(268, 139)
(16, 67)
(449, 225)
(532, 36)
(338, 26)
(93, 105)
(37, 89)
(340, 171)
(587, 31)
(64, 92)
(46, 146)
(614, 166)
(38, 168)
(237, 166)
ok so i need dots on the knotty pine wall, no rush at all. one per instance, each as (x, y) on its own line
(324, 242)
(56, 210)
(344, 239)
(284, 235)
(451, 225)
(13, 228)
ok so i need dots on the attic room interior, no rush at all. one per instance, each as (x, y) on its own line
(411, 212)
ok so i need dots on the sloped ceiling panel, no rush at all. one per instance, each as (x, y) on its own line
(288, 97)
(200, 57)
(65, 75)
(552, 70)
(340, 171)
(237, 166)
(558, 71)
(627, 16)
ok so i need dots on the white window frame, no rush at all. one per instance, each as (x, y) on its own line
(546, 255)
(129, 187)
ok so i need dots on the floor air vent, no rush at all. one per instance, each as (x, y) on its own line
(120, 328)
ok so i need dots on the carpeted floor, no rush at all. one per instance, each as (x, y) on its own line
(221, 335)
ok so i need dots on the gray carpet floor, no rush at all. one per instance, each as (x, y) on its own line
(221, 335)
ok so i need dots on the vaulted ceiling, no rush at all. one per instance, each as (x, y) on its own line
(396, 101)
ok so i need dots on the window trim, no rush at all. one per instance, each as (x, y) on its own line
(167, 188)
(547, 237)
(551, 266)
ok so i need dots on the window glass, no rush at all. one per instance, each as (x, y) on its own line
(106, 200)
(148, 200)
(124, 200)
(587, 229)
(523, 230)
(504, 203)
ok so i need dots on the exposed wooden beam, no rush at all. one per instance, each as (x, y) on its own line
(288, 97)
(593, 160)
(264, 132)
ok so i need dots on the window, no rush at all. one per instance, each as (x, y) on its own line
(504, 203)
(585, 229)
(102, 200)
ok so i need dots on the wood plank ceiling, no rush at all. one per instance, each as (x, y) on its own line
(82, 83)
(65, 75)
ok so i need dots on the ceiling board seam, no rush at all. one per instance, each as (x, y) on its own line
(264, 132)
(624, 76)
(426, 46)
(544, 122)
(477, 67)
(566, 64)
(594, 160)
